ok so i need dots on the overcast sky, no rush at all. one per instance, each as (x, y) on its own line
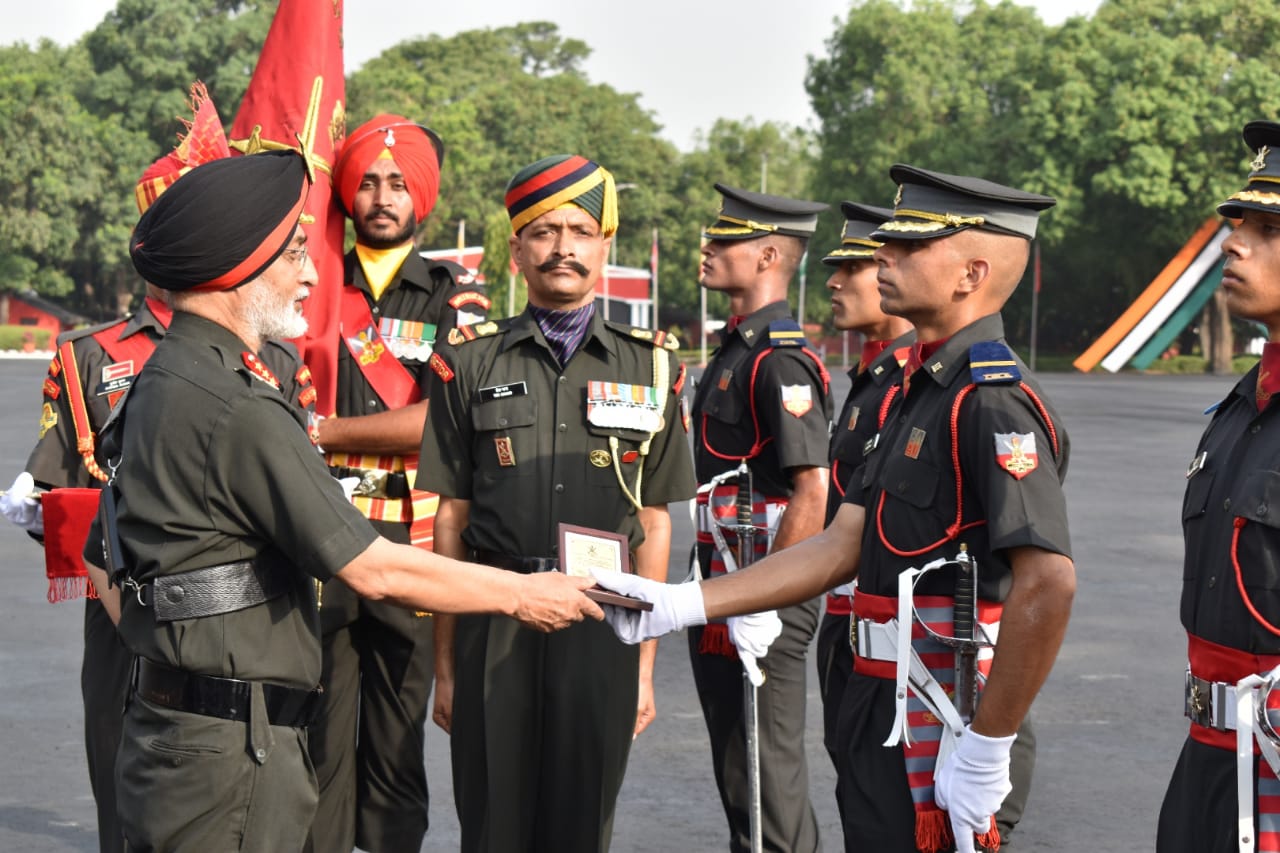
(691, 62)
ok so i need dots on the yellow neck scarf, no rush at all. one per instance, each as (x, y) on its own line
(381, 265)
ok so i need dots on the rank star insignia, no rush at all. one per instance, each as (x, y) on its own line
(1016, 453)
(1260, 162)
(797, 399)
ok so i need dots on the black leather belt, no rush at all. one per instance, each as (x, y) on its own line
(228, 698)
(374, 484)
(210, 591)
(523, 565)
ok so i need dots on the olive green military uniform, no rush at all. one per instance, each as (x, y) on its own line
(215, 469)
(542, 724)
(55, 462)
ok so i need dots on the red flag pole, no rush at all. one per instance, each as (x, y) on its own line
(297, 99)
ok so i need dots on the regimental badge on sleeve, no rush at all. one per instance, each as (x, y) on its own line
(797, 399)
(48, 419)
(1016, 453)
(441, 369)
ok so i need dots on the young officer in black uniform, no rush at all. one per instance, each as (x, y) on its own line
(1230, 607)
(226, 518)
(971, 456)
(368, 743)
(886, 340)
(556, 416)
(763, 397)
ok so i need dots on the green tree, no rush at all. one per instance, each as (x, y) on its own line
(503, 98)
(60, 206)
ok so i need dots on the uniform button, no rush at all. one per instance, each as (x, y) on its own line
(1226, 504)
(1262, 508)
(563, 427)
(373, 403)
(1213, 580)
(559, 488)
(174, 594)
(502, 422)
(262, 754)
(563, 379)
(1254, 429)
(375, 310)
(902, 487)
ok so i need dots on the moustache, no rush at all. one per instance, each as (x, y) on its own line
(548, 266)
(374, 214)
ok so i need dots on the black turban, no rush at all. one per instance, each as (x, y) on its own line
(221, 224)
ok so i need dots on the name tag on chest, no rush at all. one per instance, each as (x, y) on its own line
(502, 392)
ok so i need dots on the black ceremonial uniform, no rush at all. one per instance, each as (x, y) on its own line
(56, 462)
(542, 723)
(909, 492)
(736, 419)
(1227, 521)
(378, 658)
(857, 423)
(257, 491)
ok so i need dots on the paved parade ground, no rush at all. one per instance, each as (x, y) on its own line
(1109, 720)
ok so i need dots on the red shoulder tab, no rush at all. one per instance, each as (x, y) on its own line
(469, 297)
(259, 370)
(680, 377)
(441, 369)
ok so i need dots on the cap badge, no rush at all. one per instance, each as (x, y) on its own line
(1260, 162)
(390, 139)
(897, 199)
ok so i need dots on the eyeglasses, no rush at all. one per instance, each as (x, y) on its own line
(298, 256)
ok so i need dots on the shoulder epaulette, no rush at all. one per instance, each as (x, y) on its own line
(463, 334)
(461, 275)
(992, 362)
(786, 333)
(86, 331)
(657, 337)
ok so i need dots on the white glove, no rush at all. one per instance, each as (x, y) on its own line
(675, 606)
(20, 506)
(348, 486)
(752, 635)
(971, 784)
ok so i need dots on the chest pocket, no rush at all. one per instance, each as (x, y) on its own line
(912, 481)
(506, 441)
(1196, 499)
(1259, 498)
(725, 406)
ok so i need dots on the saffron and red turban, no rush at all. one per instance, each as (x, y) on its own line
(223, 224)
(416, 149)
(563, 179)
(204, 141)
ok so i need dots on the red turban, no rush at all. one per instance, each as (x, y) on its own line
(417, 150)
(205, 141)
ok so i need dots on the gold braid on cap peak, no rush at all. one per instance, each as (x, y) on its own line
(1256, 197)
(933, 221)
(748, 225)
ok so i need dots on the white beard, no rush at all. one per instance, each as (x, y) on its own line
(272, 319)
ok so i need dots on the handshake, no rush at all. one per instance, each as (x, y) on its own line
(21, 506)
(679, 606)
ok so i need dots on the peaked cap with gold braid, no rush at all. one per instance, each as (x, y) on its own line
(745, 215)
(935, 204)
(563, 179)
(205, 140)
(855, 241)
(1263, 191)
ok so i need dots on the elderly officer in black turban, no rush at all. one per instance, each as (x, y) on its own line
(220, 519)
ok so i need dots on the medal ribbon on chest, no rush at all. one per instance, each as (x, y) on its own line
(622, 406)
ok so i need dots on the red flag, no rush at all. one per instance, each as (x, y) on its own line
(297, 99)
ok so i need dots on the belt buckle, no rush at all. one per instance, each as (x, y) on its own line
(373, 484)
(1198, 700)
